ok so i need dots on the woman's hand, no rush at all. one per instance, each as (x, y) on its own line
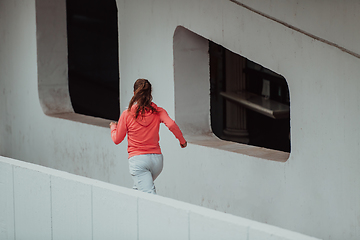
(183, 145)
(112, 123)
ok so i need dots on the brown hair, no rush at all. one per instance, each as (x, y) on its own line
(142, 96)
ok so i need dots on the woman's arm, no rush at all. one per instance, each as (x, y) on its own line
(118, 130)
(172, 126)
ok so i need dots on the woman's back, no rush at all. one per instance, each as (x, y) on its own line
(143, 131)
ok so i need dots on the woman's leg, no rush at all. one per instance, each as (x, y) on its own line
(144, 169)
(156, 165)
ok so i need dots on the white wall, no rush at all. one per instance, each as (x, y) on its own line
(334, 21)
(42, 203)
(298, 194)
(25, 131)
(315, 192)
(192, 85)
(52, 56)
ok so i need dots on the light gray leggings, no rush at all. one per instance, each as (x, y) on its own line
(144, 169)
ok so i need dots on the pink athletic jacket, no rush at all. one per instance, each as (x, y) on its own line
(143, 132)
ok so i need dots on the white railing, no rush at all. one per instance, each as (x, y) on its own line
(42, 203)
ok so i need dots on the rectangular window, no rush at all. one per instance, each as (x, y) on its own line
(93, 58)
(78, 60)
(226, 101)
(249, 103)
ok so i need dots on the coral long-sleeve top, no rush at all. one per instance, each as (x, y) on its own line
(143, 132)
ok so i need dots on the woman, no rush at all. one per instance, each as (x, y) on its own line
(141, 122)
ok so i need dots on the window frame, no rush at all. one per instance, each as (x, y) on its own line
(52, 64)
(192, 97)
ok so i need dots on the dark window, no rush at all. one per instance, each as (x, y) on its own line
(249, 103)
(93, 58)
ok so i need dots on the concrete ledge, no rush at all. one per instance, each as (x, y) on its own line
(210, 140)
(96, 121)
(41, 203)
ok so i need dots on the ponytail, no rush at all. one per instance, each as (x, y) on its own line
(143, 98)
